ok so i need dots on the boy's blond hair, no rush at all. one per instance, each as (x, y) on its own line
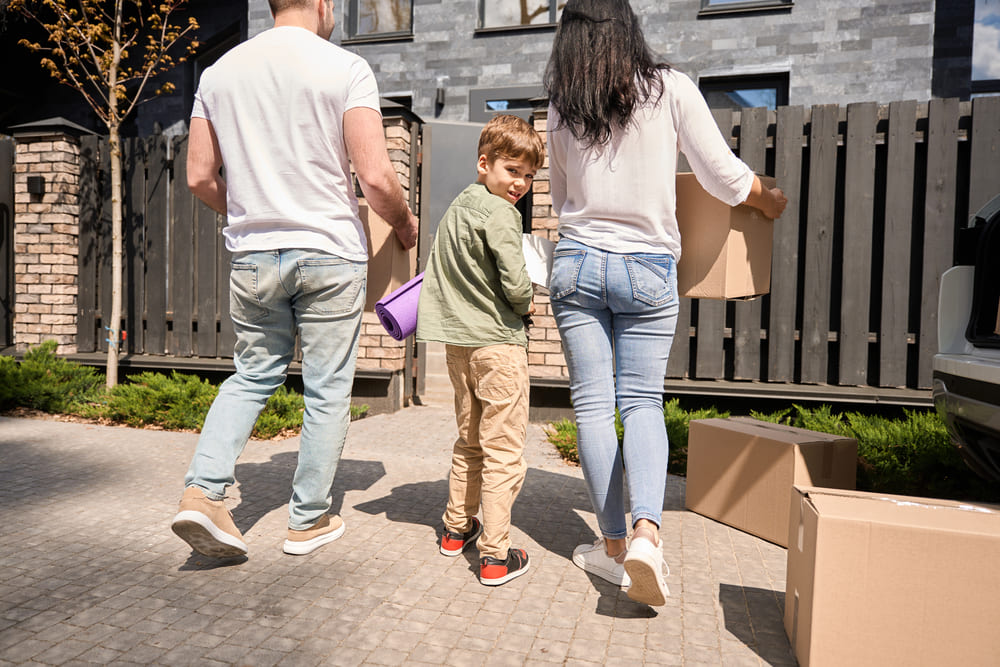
(511, 138)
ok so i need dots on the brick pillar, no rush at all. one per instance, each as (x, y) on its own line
(46, 235)
(545, 353)
(377, 349)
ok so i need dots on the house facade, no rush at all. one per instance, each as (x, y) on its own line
(460, 60)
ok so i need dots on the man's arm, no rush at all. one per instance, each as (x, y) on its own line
(203, 164)
(365, 141)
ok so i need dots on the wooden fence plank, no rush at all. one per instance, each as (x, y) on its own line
(157, 176)
(104, 243)
(859, 207)
(984, 161)
(227, 337)
(747, 314)
(939, 224)
(181, 292)
(785, 249)
(894, 327)
(710, 353)
(206, 238)
(819, 243)
(680, 351)
(133, 212)
(87, 257)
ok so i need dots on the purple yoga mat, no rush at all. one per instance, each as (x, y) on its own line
(398, 311)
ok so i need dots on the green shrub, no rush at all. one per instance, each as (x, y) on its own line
(677, 420)
(911, 455)
(177, 401)
(562, 434)
(282, 414)
(174, 402)
(43, 381)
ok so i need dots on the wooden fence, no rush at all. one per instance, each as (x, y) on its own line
(175, 290)
(876, 196)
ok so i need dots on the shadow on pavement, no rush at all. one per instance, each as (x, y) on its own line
(545, 509)
(754, 616)
(267, 486)
(30, 474)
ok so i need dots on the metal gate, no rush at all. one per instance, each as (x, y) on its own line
(6, 241)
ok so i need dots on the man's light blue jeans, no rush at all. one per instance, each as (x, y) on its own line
(273, 294)
(616, 315)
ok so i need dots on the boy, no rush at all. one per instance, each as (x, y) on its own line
(474, 294)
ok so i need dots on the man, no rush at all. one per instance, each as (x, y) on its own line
(284, 112)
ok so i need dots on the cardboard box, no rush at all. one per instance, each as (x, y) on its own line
(890, 580)
(740, 471)
(389, 265)
(725, 250)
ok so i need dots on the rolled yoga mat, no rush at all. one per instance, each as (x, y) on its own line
(398, 311)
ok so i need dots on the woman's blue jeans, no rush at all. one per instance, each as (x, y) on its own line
(616, 315)
(273, 295)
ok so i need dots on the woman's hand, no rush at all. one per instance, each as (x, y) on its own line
(776, 203)
(771, 202)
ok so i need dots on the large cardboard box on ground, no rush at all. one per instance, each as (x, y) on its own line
(886, 580)
(725, 250)
(389, 265)
(741, 471)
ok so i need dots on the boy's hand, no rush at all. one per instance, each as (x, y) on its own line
(531, 308)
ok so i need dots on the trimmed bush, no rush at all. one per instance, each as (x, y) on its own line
(177, 401)
(909, 456)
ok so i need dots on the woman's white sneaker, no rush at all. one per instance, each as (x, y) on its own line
(644, 564)
(594, 559)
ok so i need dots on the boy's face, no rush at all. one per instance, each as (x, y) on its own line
(505, 177)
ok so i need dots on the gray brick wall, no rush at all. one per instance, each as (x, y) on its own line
(835, 51)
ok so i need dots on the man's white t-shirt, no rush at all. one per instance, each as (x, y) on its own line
(277, 103)
(621, 197)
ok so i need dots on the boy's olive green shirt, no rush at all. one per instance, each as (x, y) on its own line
(476, 286)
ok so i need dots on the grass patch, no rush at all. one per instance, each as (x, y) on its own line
(178, 401)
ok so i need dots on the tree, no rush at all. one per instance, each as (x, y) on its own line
(111, 52)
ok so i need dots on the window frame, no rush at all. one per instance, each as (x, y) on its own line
(478, 97)
(352, 16)
(725, 82)
(979, 87)
(742, 6)
(481, 19)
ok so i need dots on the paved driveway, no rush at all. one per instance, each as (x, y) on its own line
(90, 572)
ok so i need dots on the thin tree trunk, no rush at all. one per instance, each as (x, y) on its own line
(114, 325)
(115, 148)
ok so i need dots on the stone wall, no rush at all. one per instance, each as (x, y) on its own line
(834, 52)
(46, 231)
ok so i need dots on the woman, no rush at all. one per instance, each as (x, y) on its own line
(617, 119)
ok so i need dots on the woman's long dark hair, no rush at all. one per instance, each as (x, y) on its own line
(600, 69)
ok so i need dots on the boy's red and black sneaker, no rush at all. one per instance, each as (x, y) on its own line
(452, 544)
(493, 571)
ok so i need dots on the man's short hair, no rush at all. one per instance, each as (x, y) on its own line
(282, 5)
(510, 137)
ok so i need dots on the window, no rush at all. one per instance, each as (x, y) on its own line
(709, 7)
(986, 48)
(737, 92)
(484, 103)
(379, 19)
(518, 13)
